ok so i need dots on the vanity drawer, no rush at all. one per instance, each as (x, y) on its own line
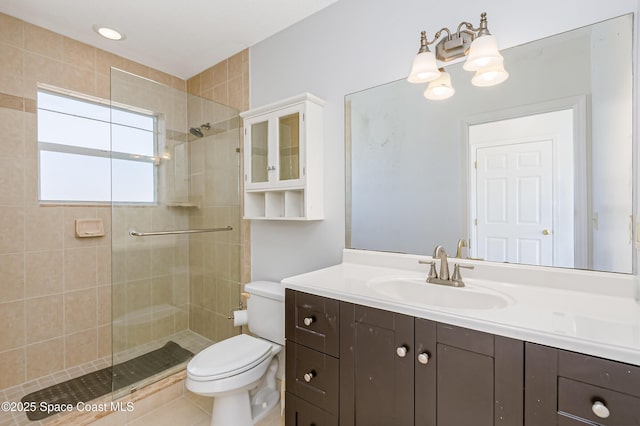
(312, 321)
(464, 338)
(313, 376)
(577, 399)
(600, 372)
(300, 413)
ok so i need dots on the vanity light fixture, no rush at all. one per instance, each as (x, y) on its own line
(440, 88)
(477, 44)
(109, 33)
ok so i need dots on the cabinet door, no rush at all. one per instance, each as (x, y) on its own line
(257, 148)
(469, 378)
(289, 138)
(376, 363)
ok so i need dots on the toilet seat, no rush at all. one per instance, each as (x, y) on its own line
(229, 357)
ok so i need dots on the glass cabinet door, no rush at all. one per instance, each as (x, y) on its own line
(289, 146)
(259, 152)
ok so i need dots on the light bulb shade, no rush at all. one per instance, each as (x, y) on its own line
(440, 88)
(490, 76)
(483, 53)
(424, 68)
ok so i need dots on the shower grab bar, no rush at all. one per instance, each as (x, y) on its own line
(185, 231)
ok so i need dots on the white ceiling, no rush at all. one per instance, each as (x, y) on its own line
(181, 38)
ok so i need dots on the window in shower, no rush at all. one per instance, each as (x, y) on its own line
(92, 152)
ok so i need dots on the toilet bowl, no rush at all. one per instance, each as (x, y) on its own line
(240, 372)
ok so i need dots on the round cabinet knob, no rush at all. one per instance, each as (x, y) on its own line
(401, 351)
(308, 321)
(308, 376)
(546, 232)
(600, 410)
(423, 358)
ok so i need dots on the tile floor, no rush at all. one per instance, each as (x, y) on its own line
(187, 339)
(185, 411)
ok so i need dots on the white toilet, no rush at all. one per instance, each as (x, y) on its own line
(240, 372)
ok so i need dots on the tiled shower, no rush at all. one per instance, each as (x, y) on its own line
(61, 294)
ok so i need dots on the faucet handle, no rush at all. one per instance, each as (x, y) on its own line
(432, 271)
(456, 277)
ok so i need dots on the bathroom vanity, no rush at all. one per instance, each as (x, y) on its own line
(359, 355)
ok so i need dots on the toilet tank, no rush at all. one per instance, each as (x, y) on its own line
(265, 308)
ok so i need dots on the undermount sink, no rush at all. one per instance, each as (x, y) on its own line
(417, 291)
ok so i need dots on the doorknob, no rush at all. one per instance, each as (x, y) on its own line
(545, 232)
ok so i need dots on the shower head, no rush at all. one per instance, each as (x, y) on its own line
(197, 131)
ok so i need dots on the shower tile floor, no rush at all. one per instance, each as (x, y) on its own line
(187, 339)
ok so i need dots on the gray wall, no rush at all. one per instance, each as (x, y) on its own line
(356, 44)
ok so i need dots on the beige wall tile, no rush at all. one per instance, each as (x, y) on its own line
(104, 341)
(220, 73)
(138, 264)
(45, 358)
(221, 93)
(43, 42)
(193, 85)
(81, 347)
(81, 80)
(235, 65)
(13, 280)
(104, 265)
(11, 181)
(162, 291)
(138, 295)
(80, 268)
(11, 30)
(79, 54)
(105, 60)
(43, 273)
(80, 310)
(104, 305)
(12, 368)
(11, 229)
(43, 228)
(160, 77)
(44, 318)
(206, 79)
(12, 131)
(236, 93)
(12, 320)
(40, 69)
(11, 81)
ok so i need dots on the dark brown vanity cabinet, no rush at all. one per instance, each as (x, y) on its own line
(352, 365)
(400, 370)
(312, 364)
(570, 389)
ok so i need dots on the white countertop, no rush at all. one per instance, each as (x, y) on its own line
(582, 311)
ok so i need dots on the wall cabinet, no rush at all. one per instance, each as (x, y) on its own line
(283, 160)
(354, 365)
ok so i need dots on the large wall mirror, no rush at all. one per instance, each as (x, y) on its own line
(537, 170)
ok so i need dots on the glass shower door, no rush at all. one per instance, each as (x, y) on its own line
(169, 285)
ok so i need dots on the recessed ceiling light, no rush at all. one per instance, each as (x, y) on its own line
(109, 33)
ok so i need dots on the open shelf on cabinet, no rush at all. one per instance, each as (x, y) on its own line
(286, 204)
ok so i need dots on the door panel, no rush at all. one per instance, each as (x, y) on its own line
(515, 203)
(465, 388)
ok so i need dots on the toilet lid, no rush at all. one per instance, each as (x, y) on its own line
(229, 357)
